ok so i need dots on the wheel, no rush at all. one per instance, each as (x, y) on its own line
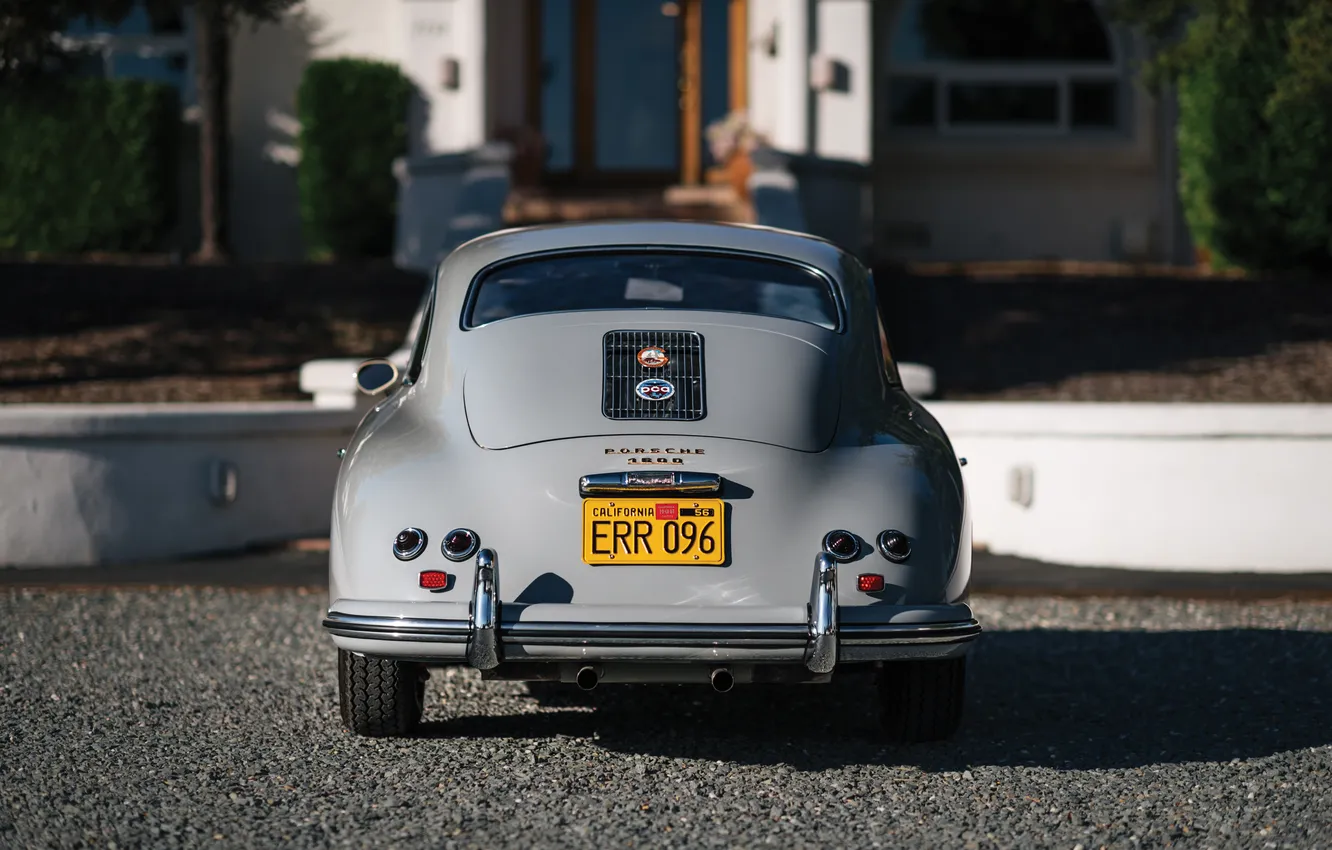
(922, 700)
(381, 697)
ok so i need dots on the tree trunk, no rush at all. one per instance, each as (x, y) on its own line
(213, 49)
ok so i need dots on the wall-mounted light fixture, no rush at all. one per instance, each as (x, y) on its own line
(767, 42)
(827, 74)
(450, 74)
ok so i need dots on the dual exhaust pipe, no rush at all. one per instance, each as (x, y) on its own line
(721, 678)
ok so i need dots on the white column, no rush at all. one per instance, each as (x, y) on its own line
(779, 72)
(446, 58)
(843, 100)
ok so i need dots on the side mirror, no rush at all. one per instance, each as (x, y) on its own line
(376, 376)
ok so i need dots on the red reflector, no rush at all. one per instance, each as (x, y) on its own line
(865, 584)
(434, 579)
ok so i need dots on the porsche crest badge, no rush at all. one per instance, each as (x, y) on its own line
(653, 357)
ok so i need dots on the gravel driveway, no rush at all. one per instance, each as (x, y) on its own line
(207, 717)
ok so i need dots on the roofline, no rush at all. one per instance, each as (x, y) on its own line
(638, 222)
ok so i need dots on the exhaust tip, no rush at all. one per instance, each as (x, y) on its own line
(587, 678)
(722, 680)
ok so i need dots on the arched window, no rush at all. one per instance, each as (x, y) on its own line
(967, 66)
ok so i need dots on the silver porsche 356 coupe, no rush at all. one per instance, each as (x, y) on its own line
(649, 452)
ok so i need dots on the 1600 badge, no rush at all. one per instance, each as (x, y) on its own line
(671, 455)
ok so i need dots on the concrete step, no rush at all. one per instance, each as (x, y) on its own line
(699, 203)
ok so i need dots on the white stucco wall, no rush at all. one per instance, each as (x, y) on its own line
(355, 28)
(267, 63)
(843, 113)
(1014, 210)
(1208, 487)
(791, 42)
(436, 32)
(967, 196)
(778, 72)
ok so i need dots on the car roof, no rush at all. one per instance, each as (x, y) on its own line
(465, 262)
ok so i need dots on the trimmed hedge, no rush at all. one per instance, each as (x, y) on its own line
(88, 165)
(1255, 135)
(353, 115)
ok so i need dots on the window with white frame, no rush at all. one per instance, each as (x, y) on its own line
(1004, 67)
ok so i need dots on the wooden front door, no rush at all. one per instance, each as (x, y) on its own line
(622, 89)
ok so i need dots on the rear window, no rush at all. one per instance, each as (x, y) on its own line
(652, 281)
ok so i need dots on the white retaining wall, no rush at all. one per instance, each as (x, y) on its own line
(1216, 487)
(1146, 486)
(94, 484)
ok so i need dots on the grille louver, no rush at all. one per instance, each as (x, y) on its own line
(623, 373)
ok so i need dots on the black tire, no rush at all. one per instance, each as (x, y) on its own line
(922, 701)
(380, 697)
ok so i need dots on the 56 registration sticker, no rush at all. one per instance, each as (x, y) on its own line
(654, 531)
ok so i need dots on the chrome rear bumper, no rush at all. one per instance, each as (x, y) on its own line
(484, 639)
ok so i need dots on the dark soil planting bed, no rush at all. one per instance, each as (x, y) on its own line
(147, 333)
(122, 333)
(1152, 339)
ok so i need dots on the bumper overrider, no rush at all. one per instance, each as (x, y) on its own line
(821, 642)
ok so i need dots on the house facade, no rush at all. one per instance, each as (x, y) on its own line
(1019, 139)
(995, 138)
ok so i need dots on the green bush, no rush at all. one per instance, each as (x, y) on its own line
(353, 115)
(88, 165)
(1255, 133)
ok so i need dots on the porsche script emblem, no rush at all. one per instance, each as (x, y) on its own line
(653, 358)
(654, 389)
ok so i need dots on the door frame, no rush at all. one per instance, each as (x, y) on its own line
(690, 39)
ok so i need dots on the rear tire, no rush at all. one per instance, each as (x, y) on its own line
(922, 700)
(380, 697)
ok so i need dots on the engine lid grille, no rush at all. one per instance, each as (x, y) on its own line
(627, 396)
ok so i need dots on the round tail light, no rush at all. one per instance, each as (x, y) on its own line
(894, 545)
(409, 543)
(841, 545)
(460, 544)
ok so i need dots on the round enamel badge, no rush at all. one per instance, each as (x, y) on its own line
(654, 389)
(653, 358)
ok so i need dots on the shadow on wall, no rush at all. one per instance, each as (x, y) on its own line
(1012, 337)
(267, 61)
(418, 123)
(1065, 700)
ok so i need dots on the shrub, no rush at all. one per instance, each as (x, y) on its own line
(1255, 128)
(353, 115)
(1255, 140)
(88, 165)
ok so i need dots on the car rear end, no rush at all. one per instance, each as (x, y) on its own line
(655, 478)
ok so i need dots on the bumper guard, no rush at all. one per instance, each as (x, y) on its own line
(824, 641)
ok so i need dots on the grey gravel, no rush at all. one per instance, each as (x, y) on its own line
(208, 717)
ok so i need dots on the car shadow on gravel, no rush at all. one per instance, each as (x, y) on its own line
(1057, 699)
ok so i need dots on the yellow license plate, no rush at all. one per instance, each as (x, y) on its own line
(654, 531)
